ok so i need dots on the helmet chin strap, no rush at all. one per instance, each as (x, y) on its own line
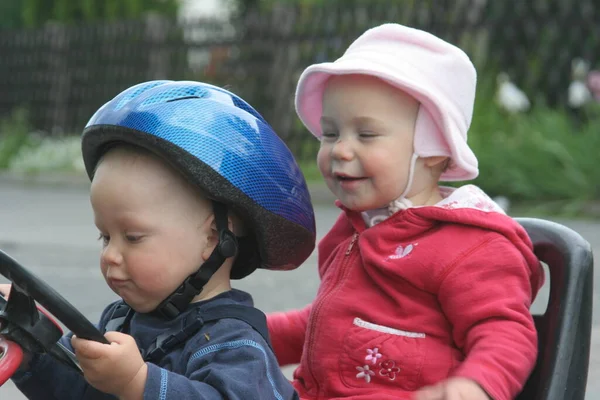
(402, 203)
(227, 247)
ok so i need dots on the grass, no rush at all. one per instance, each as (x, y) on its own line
(14, 137)
(311, 171)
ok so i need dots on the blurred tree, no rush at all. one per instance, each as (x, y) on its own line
(34, 13)
(243, 6)
(10, 14)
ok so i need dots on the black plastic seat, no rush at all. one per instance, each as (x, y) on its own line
(565, 328)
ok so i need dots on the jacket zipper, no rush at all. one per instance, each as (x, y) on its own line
(317, 307)
(354, 237)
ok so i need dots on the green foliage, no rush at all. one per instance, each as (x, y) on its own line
(35, 13)
(50, 155)
(14, 136)
(541, 155)
(24, 152)
(10, 14)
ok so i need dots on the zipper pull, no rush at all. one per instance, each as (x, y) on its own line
(354, 238)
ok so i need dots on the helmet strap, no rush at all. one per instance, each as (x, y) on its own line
(227, 247)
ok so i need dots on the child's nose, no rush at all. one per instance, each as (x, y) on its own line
(111, 255)
(342, 150)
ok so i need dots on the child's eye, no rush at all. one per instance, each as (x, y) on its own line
(367, 135)
(105, 239)
(330, 137)
(133, 238)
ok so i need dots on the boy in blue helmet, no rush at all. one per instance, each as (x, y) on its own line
(190, 188)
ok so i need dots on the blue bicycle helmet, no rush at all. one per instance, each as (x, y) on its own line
(225, 147)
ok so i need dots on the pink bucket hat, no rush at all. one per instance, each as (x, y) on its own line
(436, 73)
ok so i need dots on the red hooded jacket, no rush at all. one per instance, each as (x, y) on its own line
(430, 293)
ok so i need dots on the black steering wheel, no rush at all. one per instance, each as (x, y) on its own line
(23, 323)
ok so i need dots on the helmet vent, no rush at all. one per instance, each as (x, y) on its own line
(177, 93)
(184, 98)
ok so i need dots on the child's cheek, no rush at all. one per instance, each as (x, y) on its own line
(323, 161)
(103, 268)
(155, 282)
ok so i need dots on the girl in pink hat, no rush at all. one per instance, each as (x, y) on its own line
(425, 290)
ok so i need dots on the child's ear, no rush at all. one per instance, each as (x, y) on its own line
(230, 224)
(212, 237)
(434, 161)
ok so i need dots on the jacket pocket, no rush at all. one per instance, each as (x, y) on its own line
(375, 355)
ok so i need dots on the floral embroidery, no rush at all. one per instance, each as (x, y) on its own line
(485, 206)
(365, 373)
(449, 205)
(402, 252)
(373, 355)
(468, 196)
(389, 369)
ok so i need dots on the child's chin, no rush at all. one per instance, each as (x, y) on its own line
(140, 306)
(355, 205)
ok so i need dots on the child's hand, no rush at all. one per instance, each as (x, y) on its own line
(116, 368)
(453, 389)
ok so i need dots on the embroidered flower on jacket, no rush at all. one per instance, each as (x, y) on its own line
(468, 196)
(389, 369)
(402, 252)
(373, 355)
(365, 373)
(450, 205)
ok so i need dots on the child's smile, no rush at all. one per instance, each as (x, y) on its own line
(349, 182)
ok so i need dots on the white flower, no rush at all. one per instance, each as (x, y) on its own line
(509, 96)
(50, 155)
(578, 95)
(364, 373)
